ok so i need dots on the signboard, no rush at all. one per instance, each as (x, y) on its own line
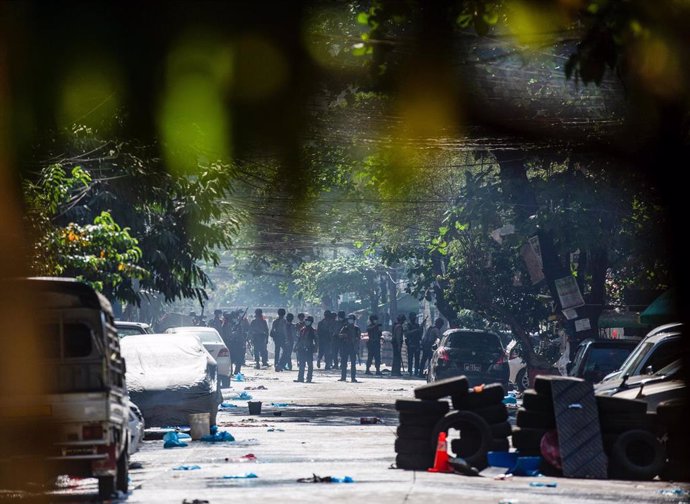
(531, 254)
(582, 325)
(569, 293)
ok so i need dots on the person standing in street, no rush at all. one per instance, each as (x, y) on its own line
(338, 325)
(397, 342)
(433, 334)
(374, 344)
(298, 328)
(258, 331)
(349, 336)
(324, 335)
(217, 321)
(413, 340)
(305, 347)
(291, 333)
(238, 341)
(279, 335)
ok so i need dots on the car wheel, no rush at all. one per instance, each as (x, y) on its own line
(522, 380)
(456, 386)
(422, 407)
(122, 478)
(471, 426)
(637, 454)
(106, 487)
(490, 395)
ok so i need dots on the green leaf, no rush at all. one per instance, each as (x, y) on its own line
(363, 18)
(464, 20)
(358, 244)
(359, 49)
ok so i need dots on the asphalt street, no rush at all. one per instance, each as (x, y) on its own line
(318, 432)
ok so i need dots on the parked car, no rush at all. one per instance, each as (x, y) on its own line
(671, 371)
(214, 344)
(137, 425)
(78, 423)
(479, 355)
(595, 358)
(125, 328)
(655, 351)
(170, 376)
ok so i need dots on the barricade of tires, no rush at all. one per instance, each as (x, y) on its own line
(478, 414)
(629, 433)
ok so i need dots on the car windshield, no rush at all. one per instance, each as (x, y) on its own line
(129, 331)
(604, 360)
(635, 358)
(206, 336)
(472, 340)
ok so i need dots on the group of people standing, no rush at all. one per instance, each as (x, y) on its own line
(335, 340)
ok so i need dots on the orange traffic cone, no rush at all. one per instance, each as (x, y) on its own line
(441, 458)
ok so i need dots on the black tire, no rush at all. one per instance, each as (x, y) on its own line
(500, 430)
(420, 446)
(528, 441)
(106, 487)
(471, 426)
(637, 455)
(491, 394)
(493, 414)
(522, 380)
(500, 444)
(415, 420)
(619, 423)
(542, 383)
(535, 402)
(535, 419)
(615, 405)
(422, 407)
(414, 462)
(407, 432)
(456, 386)
(122, 478)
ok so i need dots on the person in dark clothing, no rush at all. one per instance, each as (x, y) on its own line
(349, 336)
(258, 332)
(238, 340)
(413, 340)
(298, 328)
(324, 335)
(374, 344)
(279, 335)
(217, 321)
(338, 325)
(305, 348)
(290, 339)
(397, 342)
(432, 335)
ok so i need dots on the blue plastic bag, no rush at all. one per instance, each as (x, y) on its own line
(239, 377)
(218, 437)
(241, 476)
(279, 404)
(172, 440)
(186, 468)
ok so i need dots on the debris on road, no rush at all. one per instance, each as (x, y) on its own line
(136, 465)
(242, 396)
(280, 404)
(540, 484)
(226, 405)
(241, 476)
(370, 420)
(675, 492)
(195, 501)
(260, 387)
(274, 429)
(239, 377)
(326, 479)
(172, 440)
(217, 436)
(186, 468)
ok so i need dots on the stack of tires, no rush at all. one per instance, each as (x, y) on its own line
(672, 415)
(629, 438)
(413, 446)
(534, 419)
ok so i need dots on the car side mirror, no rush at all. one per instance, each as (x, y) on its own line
(434, 346)
(649, 370)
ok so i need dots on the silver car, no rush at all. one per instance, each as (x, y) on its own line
(214, 345)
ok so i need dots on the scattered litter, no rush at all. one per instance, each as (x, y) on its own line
(396, 390)
(326, 479)
(676, 492)
(249, 457)
(239, 377)
(460, 465)
(226, 405)
(274, 429)
(510, 399)
(549, 484)
(241, 424)
(527, 466)
(186, 468)
(195, 501)
(503, 477)
(218, 437)
(241, 476)
(242, 396)
(136, 465)
(172, 440)
(247, 442)
(260, 387)
(508, 501)
(183, 436)
(280, 404)
(370, 420)
(277, 413)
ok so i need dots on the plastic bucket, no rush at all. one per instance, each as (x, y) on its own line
(199, 425)
(254, 407)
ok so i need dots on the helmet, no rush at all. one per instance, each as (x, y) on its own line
(352, 316)
(327, 314)
(309, 319)
(258, 312)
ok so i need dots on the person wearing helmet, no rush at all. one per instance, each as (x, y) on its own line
(433, 334)
(374, 344)
(217, 321)
(279, 335)
(349, 344)
(305, 347)
(258, 332)
(336, 347)
(291, 337)
(323, 332)
(397, 342)
(413, 339)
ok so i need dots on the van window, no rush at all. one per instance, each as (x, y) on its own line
(74, 341)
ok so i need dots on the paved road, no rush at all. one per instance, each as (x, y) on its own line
(320, 434)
